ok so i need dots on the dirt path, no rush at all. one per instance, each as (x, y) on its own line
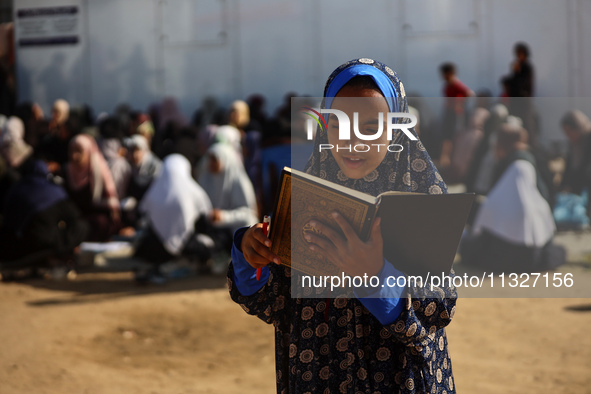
(101, 334)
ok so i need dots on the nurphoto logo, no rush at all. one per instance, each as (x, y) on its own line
(344, 128)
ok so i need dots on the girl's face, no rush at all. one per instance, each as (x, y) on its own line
(357, 164)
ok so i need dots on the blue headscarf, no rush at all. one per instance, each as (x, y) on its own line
(410, 170)
(358, 70)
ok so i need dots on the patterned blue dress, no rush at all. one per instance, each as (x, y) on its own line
(337, 345)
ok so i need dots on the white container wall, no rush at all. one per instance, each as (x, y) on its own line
(138, 51)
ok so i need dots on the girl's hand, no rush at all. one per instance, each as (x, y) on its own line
(349, 253)
(255, 247)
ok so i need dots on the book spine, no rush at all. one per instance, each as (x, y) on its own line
(369, 219)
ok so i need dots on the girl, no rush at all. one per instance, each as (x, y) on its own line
(391, 342)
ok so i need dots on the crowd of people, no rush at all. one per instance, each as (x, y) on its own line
(173, 187)
(180, 187)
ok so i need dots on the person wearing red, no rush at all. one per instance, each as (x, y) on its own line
(454, 112)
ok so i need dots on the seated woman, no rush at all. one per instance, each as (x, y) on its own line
(514, 227)
(230, 191)
(145, 166)
(39, 219)
(172, 206)
(572, 209)
(109, 145)
(90, 185)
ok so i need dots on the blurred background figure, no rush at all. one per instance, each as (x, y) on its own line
(145, 128)
(467, 140)
(210, 113)
(479, 176)
(258, 115)
(13, 148)
(514, 227)
(172, 206)
(278, 130)
(454, 115)
(145, 166)
(109, 143)
(231, 136)
(231, 193)
(520, 82)
(520, 87)
(32, 116)
(577, 175)
(90, 185)
(40, 222)
(239, 116)
(54, 144)
(572, 205)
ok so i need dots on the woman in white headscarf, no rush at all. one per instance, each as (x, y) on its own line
(229, 135)
(514, 227)
(173, 204)
(229, 188)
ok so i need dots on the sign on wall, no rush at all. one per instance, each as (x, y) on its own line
(47, 26)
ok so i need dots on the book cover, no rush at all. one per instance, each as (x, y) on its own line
(421, 232)
(303, 197)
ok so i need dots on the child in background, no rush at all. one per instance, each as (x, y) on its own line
(388, 341)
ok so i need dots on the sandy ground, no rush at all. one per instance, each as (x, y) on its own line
(100, 333)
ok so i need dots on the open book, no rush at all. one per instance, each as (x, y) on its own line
(421, 232)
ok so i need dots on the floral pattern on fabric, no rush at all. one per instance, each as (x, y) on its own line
(337, 345)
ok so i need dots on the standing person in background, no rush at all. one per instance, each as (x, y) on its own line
(521, 79)
(90, 185)
(454, 113)
(520, 86)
